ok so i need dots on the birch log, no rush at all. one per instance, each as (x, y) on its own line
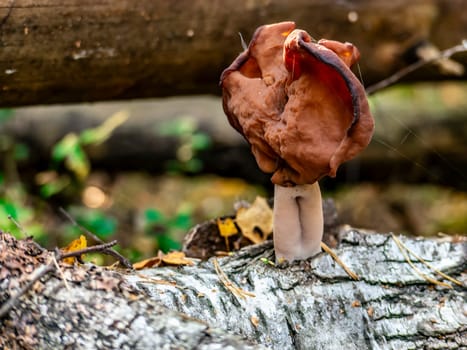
(308, 305)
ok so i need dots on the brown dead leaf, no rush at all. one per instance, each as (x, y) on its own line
(370, 311)
(147, 263)
(356, 303)
(177, 258)
(77, 244)
(258, 215)
(172, 258)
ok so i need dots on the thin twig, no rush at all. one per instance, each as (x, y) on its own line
(124, 261)
(35, 276)
(101, 248)
(328, 250)
(18, 225)
(404, 251)
(42, 270)
(414, 66)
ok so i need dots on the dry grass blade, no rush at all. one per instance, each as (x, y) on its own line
(328, 250)
(235, 290)
(57, 267)
(432, 268)
(405, 250)
(156, 281)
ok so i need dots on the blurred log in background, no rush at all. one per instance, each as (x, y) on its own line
(56, 51)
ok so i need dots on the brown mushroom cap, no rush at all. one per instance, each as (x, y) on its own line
(297, 103)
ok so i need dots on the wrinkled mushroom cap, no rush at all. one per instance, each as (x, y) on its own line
(297, 103)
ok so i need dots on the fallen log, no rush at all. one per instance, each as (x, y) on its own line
(431, 150)
(55, 51)
(306, 305)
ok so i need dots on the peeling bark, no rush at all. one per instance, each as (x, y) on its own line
(308, 305)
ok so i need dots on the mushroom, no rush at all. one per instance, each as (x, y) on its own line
(303, 112)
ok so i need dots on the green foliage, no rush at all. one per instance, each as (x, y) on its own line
(54, 186)
(100, 224)
(101, 133)
(70, 151)
(167, 230)
(96, 221)
(19, 218)
(20, 212)
(191, 142)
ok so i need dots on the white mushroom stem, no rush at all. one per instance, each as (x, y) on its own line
(298, 222)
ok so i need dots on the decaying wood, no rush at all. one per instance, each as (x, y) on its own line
(99, 310)
(80, 50)
(307, 305)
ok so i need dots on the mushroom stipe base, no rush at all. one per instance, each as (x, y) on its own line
(298, 221)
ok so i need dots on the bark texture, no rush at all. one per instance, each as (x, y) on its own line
(315, 304)
(81, 50)
(97, 309)
(308, 305)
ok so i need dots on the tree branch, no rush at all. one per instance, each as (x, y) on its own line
(393, 79)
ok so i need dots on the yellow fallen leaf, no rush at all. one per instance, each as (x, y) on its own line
(177, 258)
(77, 244)
(258, 215)
(227, 228)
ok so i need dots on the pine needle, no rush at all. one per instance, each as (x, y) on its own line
(328, 250)
(404, 250)
(235, 290)
(61, 273)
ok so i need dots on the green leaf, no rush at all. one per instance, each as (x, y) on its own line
(153, 216)
(62, 148)
(77, 161)
(200, 141)
(99, 223)
(55, 186)
(182, 221)
(101, 133)
(166, 243)
(178, 127)
(8, 208)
